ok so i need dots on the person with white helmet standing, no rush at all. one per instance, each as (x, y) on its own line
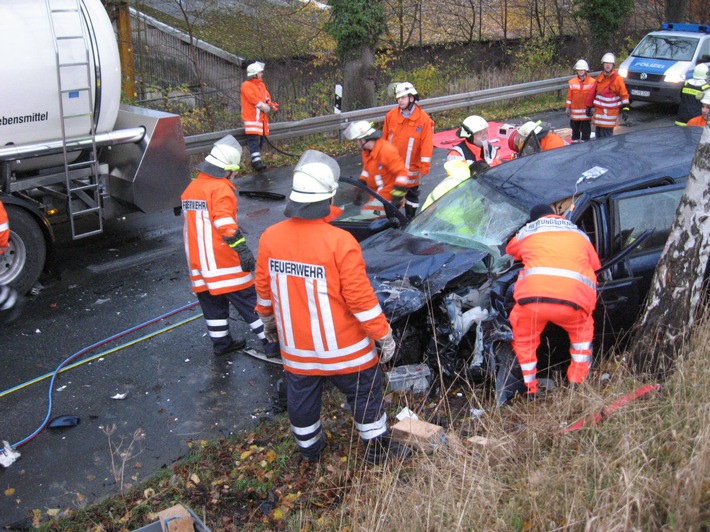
(607, 99)
(702, 118)
(314, 296)
(256, 106)
(411, 130)
(219, 260)
(382, 166)
(690, 95)
(575, 107)
(475, 146)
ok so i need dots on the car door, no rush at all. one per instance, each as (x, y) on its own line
(623, 288)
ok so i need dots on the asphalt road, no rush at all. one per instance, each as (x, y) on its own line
(174, 390)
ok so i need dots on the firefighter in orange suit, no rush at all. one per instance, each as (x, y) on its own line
(218, 258)
(9, 298)
(315, 297)
(475, 146)
(256, 106)
(576, 107)
(558, 285)
(383, 169)
(411, 130)
(608, 97)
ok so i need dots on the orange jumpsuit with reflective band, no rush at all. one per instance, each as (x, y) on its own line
(4, 229)
(209, 209)
(413, 136)
(383, 168)
(577, 97)
(607, 98)
(697, 121)
(311, 276)
(551, 141)
(254, 92)
(558, 285)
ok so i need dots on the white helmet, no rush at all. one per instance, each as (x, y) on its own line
(581, 65)
(315, 177)
(361, 129)
(254, 69)
(471, 125)
(608, 58)
(706, 98)
(700, 71)
(405, 89)
(226, 154)
(529, 127)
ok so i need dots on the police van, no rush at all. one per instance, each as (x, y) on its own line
(659, 65)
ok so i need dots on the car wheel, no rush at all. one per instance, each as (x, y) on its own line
(23, 262)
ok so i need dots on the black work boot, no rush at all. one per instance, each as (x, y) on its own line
(410, 211)
(258, 166)
(383, 447)
(272, 349)
(234, 345)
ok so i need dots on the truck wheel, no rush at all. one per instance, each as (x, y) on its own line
(23, 262)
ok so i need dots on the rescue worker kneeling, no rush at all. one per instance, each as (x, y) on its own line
(557, 285)
(531, 137)
(313, 295)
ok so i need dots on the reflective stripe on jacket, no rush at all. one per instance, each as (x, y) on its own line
(383, 168)
(413, 136)
(254, 92)
(311, 276)
(559, 262)
(209, 209)
(4, 229)
(466, 151)
(608, 97)
(576, 97)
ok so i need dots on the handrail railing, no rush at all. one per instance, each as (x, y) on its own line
(322, 124)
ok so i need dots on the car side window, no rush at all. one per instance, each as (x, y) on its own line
(650, 209)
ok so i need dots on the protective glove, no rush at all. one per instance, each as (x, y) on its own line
(387, 347)
(269, 327)
(567, 111)
(625, 113)
(590, 111)
(264, 108)
(239, 244)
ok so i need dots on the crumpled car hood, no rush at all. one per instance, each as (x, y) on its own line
(406, 270)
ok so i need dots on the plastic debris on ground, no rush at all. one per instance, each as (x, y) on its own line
(409, 378)
(8, 455)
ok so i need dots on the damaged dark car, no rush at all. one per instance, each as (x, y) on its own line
(445, 282)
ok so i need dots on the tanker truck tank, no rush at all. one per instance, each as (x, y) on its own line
(69, 151)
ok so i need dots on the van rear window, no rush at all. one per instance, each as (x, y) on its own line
(666, 47)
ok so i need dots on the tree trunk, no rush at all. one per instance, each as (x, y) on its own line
(677, 11)
(359, 81)
(677, 286)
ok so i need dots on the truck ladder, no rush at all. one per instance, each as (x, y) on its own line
(76, 106)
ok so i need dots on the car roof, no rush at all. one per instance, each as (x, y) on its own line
(627, 160)
(679, 33)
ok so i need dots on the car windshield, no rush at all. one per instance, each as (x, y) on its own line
(472, 215)
(665, 47)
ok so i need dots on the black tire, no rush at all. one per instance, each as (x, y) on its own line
(22, 264)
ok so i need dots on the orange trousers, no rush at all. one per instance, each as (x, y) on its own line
(528, 322)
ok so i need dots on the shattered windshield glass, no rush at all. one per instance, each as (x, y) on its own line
(663, 47)
(473, 215)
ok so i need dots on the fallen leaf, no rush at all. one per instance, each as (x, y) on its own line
(52, 512)
(9, 492)
(195, 478)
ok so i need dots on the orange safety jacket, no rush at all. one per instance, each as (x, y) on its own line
(697, 121)
(4, 229)
(551, 141)
(559, 263)
(608, 97)
(254, 92)
(469, 152)
(413, 136)
(383, 168)
(577, 97)
(209, 209)
(311, 276)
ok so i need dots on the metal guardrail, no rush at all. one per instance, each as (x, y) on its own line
(197, 144)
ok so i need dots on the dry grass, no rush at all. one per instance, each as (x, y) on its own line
(646, 467)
